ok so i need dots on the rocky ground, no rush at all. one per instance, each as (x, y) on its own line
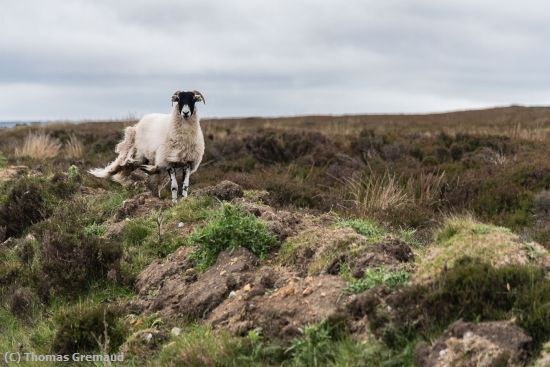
(320, 270)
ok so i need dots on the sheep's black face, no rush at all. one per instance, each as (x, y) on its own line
(186, 102)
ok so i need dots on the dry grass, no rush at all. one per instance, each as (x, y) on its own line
(73, 148)
(426, 188)
(374, 193)
(38, 145)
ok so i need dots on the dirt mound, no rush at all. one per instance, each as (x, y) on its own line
(10, 172)
(174, 289)
(282, 223)
(463, 236)
(316, 249)
(225, 190)
(497, 343)
(391, 252)
(139, 205)
(158, 271)
(324, 249)
(279, 303)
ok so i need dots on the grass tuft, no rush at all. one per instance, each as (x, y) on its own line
(73, 148)
(378, 276)
(39, 146)
(373, 193)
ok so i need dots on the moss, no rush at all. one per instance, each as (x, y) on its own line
(363, 227)
(463, 236)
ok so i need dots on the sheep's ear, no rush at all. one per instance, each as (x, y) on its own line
(176, 96)
(199, 97)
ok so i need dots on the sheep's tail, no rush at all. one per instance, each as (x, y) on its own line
(125, 149)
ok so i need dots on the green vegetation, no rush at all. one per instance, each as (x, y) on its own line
(230, 227)
(378, 276)
(463, 236)
(364, 227)
(320, 344)
(88, 327)
(74, 255)
(3, 160)
(193, 209)
(473, 290)
(327, 243)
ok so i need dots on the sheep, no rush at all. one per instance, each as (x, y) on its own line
(161, 142)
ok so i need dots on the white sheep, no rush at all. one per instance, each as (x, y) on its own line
(161, 142)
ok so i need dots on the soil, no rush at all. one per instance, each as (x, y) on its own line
(280, 303)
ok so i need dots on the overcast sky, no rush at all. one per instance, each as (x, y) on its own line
(76, 59)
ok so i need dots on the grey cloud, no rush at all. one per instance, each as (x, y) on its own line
(112, 58)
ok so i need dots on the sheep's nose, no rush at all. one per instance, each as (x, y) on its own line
(186, 114)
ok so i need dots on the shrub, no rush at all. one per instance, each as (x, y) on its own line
(368, 142)
(316, 346)
(72, 256)
(473, 290)
(274, 147)
(39, 146)
(21, 302)
(135, 232)
(25, 206)
(542, 204)
(81, 327)
(230, 227)
(63, 186)
(285, 191)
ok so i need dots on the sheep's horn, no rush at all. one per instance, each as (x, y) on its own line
(200, 94)
(175, 96)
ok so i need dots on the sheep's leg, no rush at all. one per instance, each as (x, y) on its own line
(186, 174)
(172, 173)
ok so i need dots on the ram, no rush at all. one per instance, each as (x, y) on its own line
(161, 142)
